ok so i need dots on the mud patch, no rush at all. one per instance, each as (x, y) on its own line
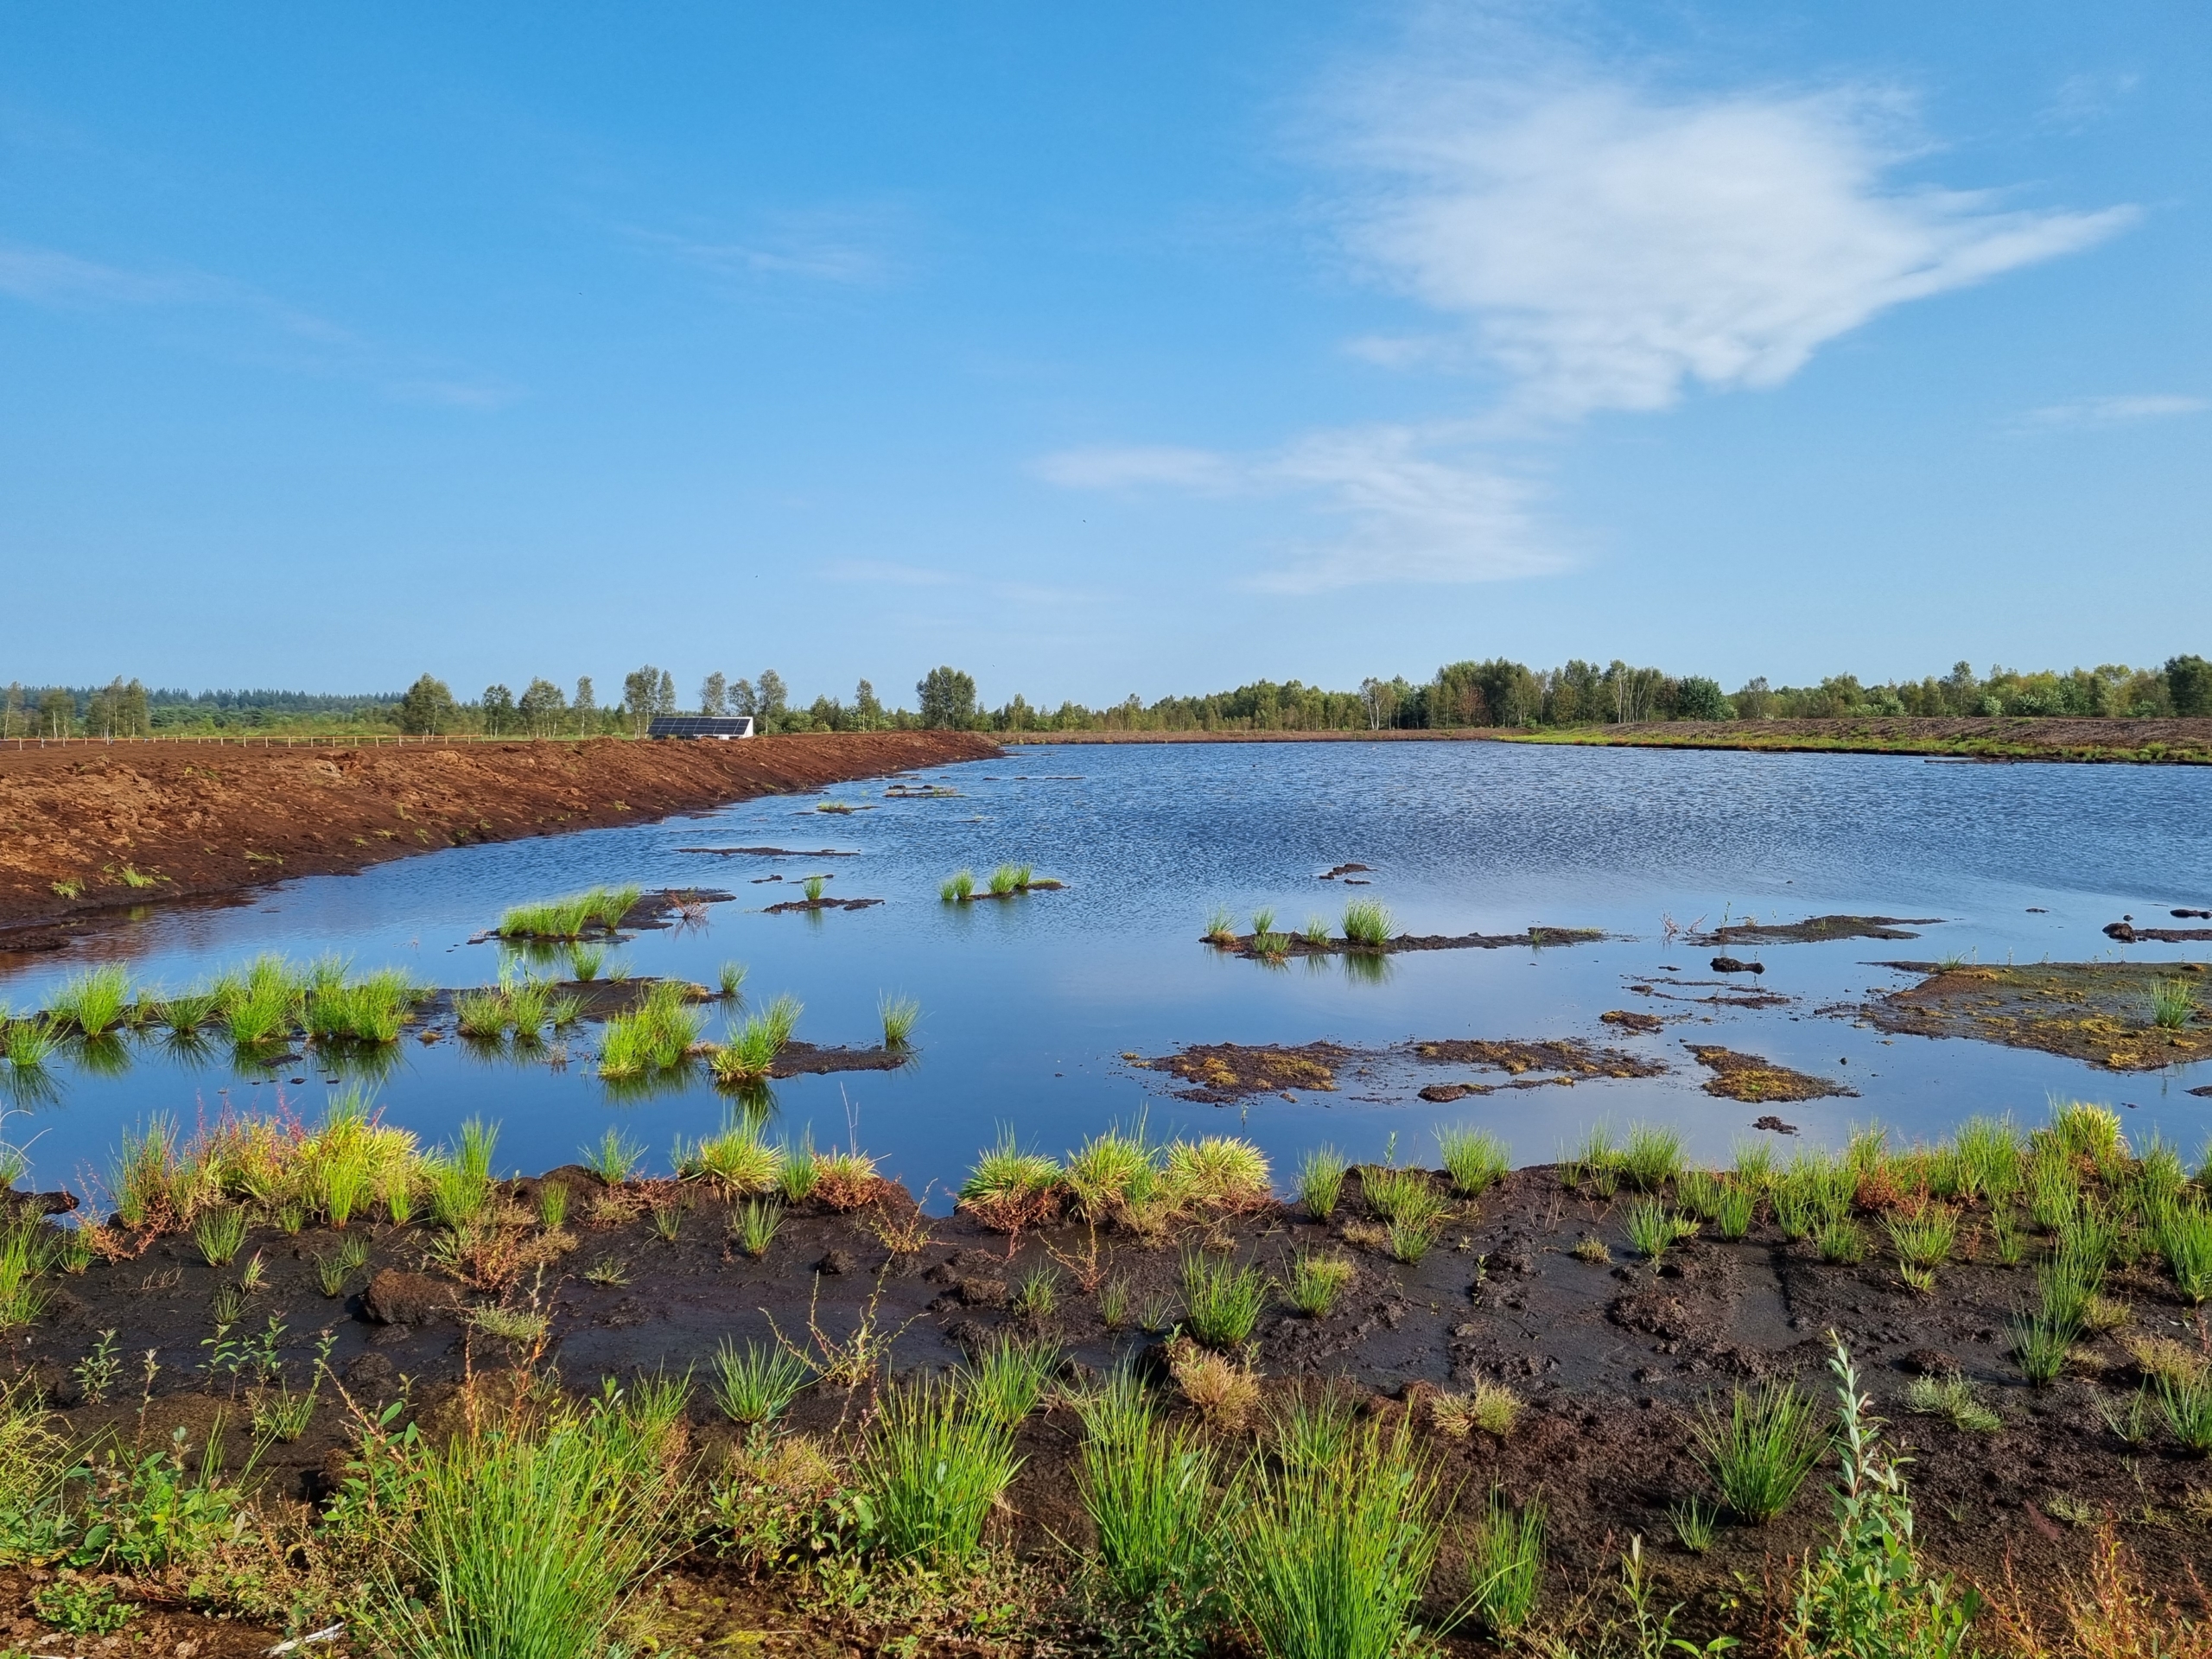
(1298, 945)
(1568, 1057)
(1814, 929)
(1629, 1019)
(804, 1059)
(1222, 1072)
(2128, 933)
(2099, 1012)
(1748, 1077)
(819, 903)
(764, 852)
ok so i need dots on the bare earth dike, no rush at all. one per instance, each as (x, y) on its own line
(197, 819)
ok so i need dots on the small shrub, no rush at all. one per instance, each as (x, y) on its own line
(1320, 1181)
(81, 1609)
(1477, 1159)
(1759, 1452)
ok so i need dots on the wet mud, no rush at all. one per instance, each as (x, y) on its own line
(1813, 930)
(1534, 1287)
(1747, 1076)
(2100, 1011)
(1294, 944)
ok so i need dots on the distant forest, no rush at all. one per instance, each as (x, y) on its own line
(1498, 692)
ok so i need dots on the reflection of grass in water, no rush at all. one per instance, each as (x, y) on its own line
(25, 1087)
(639, 1087)
(1367, 970)
(104, 1056)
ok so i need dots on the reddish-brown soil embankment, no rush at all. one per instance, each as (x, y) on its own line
(196, 819)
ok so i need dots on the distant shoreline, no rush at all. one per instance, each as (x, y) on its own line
(2134, 742)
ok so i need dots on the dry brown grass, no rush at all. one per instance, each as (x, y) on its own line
(1223, 1391)
(2106, 1611)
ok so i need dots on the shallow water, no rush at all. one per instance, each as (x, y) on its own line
(1030, 1004)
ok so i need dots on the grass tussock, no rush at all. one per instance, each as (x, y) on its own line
(1366, 924)
(933, 1471)
(658, 1035)
(599, 910)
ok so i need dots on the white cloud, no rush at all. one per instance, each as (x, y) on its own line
(265, 329)
(1110, 467)
(1414, 508)
(1605, 247)
(2084, 100)
(2114, 411)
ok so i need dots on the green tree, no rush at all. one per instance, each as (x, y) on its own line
(586, 706)
(770, 699)
(1699, 698)
(57, 712)
(948, 698)
(498, 707)
(867, 713)
(713, 694)
(541, 707)
(638, 690)
(664, 693)
(427, 708)
(2189, 685)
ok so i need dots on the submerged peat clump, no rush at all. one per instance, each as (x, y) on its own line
(2120, 1016)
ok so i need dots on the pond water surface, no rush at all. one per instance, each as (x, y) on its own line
(1031, 1004)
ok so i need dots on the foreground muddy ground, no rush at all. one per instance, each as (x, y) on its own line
(91, 828)
(1535, 1287)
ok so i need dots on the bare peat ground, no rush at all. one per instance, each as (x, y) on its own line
(201, 819)
(2093, 1011)
(1614, 1356)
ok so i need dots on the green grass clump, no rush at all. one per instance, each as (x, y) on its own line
(1316, 1281)
(1652, 1157)
(958, 888)
(459, 1180)
(615, 1159)
(480, 1015)
(752, 1224)
(1149, 1489)
(1367, 924)
(2173, 1003)
(1316, 931)
(932, 1470)
(899, 1014)
(754, 1384)
(1008, 1186)
(1759, 1453)
(1840, 1241)
(1221, 1302)
(528, 1539)
(220, 1233)
(656, 1036)
(1008, 878)
(1220, 926)
(601, 908)
(1112, 1170)
(2185, 1239)
(1925, 1241)
(1595, 1163)
(1989, 1153)
(2080, 1130)
(1331, 1560)
(1007, 1381)
(1953, 1398)
(2186, 1400)
(2041, 1341)
(737, 1163)
(1476, 1159)
(1321, 1181)
(1505, 1564)
(1655, 1229)
(29, 1044)
(24, 1255)
(368, 1010)
(94, 1001)
(1733, 1207)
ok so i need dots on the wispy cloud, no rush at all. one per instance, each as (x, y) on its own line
(2115, 411)
(1605, 247)
(275, 331)
(2084, 100)
(1586, 242)
(848, 246)
(1403, 504)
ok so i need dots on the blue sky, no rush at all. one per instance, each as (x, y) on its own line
(1097, 350)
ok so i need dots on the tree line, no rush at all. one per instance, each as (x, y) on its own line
(1497, 692)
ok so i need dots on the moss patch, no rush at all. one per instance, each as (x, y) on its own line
(2099, 1012)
